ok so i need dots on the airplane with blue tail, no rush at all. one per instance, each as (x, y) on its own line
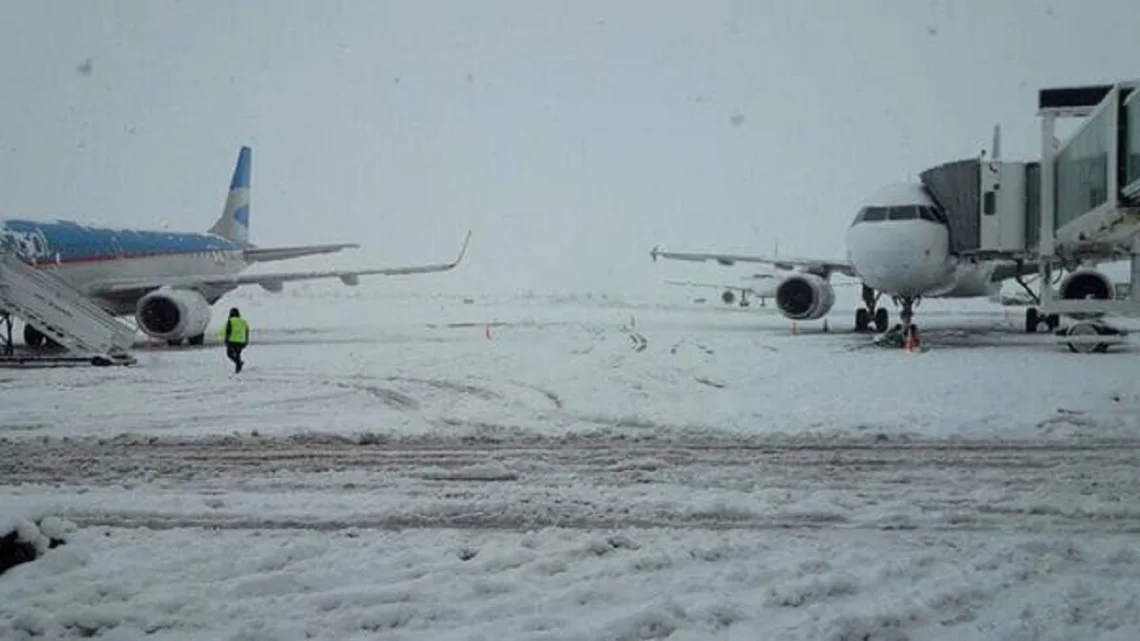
(170, 280)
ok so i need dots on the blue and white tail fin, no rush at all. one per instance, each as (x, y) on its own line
(234, 223)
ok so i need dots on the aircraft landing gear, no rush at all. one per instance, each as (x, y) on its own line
(728, 297)
(9, 346)
(906, 314)
(1034, 319)
(864, 316)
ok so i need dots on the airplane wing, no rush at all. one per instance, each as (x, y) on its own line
(822, 268)
(261, 255)
(273, 282)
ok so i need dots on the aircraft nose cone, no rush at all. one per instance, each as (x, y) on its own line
(898, 261)
(893, 261)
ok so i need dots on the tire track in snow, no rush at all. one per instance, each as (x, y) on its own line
(597, 483)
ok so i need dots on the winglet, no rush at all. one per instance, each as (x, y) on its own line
(463, 249)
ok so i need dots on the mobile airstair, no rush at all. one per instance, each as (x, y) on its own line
(61, 313)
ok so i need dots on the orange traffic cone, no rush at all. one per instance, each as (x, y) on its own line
(911, 341)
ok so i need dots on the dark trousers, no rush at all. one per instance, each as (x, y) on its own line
(233, 352)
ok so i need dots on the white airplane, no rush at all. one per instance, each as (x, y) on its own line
(730, 292)
(169, 280)
(899, 245)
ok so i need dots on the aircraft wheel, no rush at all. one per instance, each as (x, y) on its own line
(1032, 318)
(174, 342)
(862, 319)
(196, 340)
(882, 320)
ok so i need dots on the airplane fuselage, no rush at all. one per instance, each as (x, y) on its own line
(83, 255)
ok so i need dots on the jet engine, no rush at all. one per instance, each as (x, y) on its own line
(1083, 284)
(728, 297)
(805, 297)
(173, 314)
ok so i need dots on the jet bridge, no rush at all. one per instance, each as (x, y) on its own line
(992, 207)
(1090, 203)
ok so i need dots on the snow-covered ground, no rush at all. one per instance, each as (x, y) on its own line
(420, 467)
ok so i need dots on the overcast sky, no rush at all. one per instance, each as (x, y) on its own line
(570, 136)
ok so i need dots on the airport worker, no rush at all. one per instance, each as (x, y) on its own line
(235, 334)
(893, 336)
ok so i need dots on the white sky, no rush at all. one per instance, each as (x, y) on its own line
(570, 136)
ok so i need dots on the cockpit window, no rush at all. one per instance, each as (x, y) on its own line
(900, 212)
(874, 213)
(937, 215)
(905, 212)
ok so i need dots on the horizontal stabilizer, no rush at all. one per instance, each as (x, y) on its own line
(264, 255)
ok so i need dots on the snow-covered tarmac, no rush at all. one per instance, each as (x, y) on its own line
(420, 468)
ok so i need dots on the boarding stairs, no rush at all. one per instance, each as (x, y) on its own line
(62, 313)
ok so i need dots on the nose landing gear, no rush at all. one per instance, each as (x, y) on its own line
(906, 315)
(871, 313)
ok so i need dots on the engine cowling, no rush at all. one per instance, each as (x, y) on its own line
(1084, 284)
(173, 314)
(805, 297)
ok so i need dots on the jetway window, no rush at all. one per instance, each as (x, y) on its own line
(989, 203)
(1032, 204)
(1082, 171)
(1130, 118)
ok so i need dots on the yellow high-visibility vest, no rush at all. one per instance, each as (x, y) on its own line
(237, 330)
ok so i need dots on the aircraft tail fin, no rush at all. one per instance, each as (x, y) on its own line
(234, 222)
